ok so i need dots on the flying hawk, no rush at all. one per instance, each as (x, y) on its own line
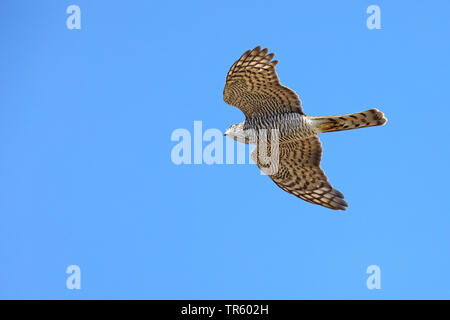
(252, 85)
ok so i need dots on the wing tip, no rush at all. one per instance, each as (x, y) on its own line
(338, 201)
(342, 206)
(260, 51)
(257, 48)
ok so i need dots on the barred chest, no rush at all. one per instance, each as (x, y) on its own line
(288, 127)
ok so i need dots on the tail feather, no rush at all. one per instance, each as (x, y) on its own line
(369, 118)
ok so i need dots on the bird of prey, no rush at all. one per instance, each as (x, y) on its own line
(252, 85)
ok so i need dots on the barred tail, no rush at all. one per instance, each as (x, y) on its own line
(369, 118)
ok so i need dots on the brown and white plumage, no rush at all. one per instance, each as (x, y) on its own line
(253, 86)
(299, 173)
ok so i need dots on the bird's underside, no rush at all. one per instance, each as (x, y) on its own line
(252, 85)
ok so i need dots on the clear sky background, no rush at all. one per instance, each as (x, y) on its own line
(86, 176)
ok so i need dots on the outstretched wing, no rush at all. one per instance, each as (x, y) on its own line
(299, 173)
(253, 86)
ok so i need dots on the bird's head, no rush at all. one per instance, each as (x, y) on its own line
(237, 132)
(234, 130)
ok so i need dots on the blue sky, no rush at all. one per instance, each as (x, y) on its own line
(86, 176)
